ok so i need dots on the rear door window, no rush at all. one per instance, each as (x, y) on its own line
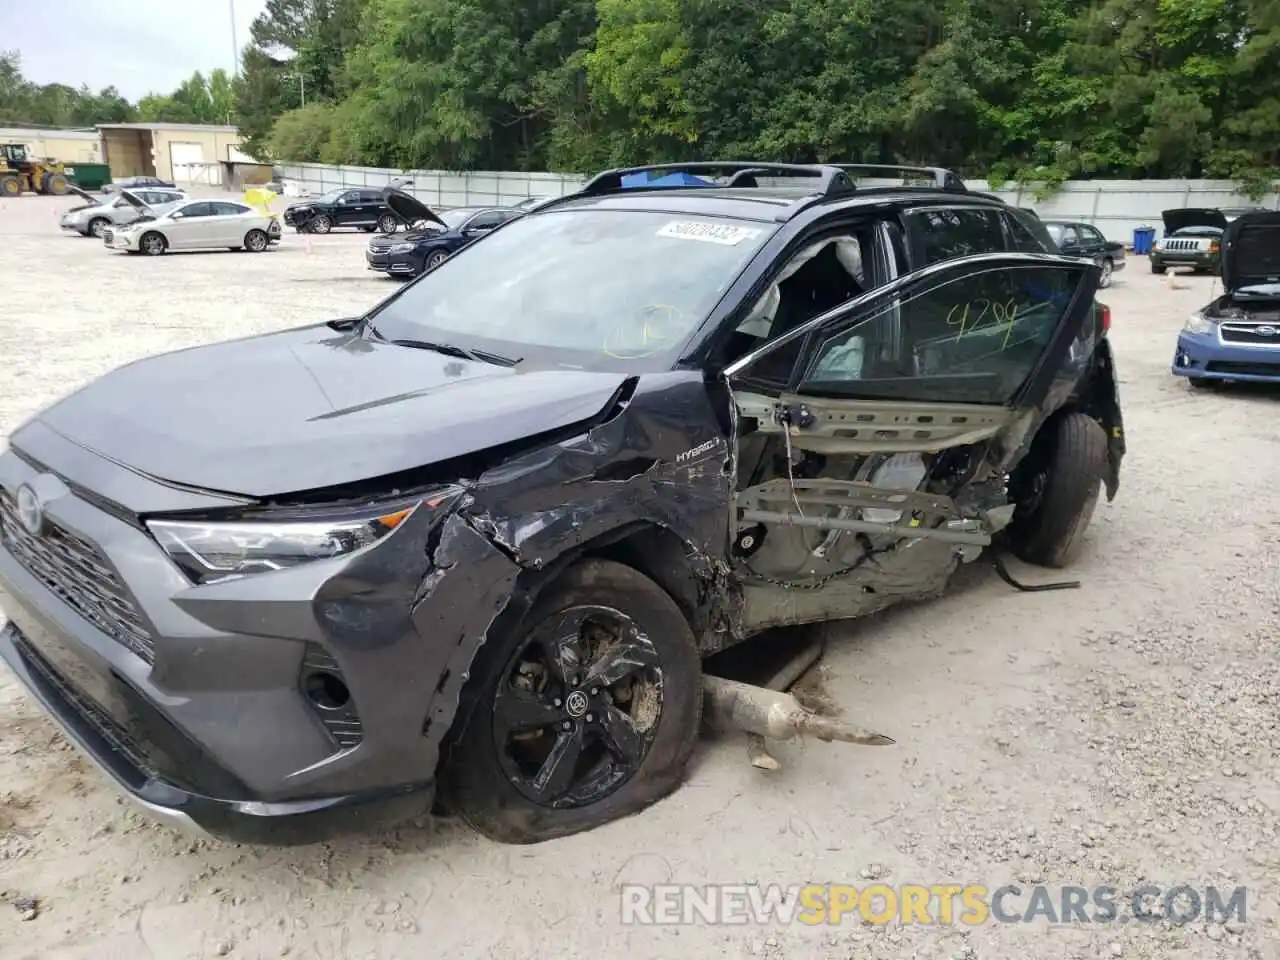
(945, 233)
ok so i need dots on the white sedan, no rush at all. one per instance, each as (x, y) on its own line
(194, 225)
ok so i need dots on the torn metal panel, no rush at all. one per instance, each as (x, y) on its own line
(914, 569)
(597, 484)
(471, 584)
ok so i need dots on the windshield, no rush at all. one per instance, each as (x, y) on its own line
(332, 196)
(454, 218)
(601, 285)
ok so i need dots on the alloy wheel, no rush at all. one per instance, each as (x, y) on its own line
(577, 708)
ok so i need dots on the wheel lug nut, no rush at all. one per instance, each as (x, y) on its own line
(556, 701)
(575, 681)
(591, 718)
(566, 725)
(595, 691)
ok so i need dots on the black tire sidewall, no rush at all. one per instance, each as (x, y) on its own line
(248, 246)
(1072, 450)
(142, 244)
(101, 223)
(315, 222)
(475, 783)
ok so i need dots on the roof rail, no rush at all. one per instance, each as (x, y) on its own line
(942, 177)
(831, 179)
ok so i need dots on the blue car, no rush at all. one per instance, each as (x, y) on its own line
(1236, 338)
(431, 238)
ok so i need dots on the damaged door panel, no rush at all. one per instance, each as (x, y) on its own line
(881, 462)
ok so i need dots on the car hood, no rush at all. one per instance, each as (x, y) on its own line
(407, 207)
(84, 195)
(313, 408)
(1251, 250)
(1175, 220)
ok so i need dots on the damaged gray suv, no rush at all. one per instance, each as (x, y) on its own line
(477, 542)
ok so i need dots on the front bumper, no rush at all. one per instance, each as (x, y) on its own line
(74, 227)
(200, 709)
(1202, 356)
(399, 265)
(1184, 258)
(115, 239)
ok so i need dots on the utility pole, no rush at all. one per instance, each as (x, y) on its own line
(235, 45)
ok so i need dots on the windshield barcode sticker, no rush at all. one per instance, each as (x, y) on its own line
(722, 233)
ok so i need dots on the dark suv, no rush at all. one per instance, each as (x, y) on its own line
(365, 209)
(482, 536)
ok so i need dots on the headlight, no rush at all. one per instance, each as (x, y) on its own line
(1157, 246)
(1198, 323)
(401, 248)
(208, 550)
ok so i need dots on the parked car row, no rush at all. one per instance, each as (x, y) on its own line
(155, 221)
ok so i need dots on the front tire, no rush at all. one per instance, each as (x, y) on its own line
(153, 244)
(96, 226)
(1056, 489)
(435, 259)
(586, 713)
(320, 224)
(1156, 268)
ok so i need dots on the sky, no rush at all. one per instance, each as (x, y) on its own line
(137, 46)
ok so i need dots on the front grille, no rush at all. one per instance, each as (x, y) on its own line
(1184, 246)
(117, 736)
(1256, 334)
(76, 571)
(107, 235)
(382, 244)
(1244, 369)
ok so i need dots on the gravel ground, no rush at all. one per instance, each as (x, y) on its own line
(1118, 734)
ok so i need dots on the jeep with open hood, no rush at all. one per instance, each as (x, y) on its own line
(1192, 238)
(1237, 336)
(477, 542)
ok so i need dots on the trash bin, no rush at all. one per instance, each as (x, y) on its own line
(1143, 237)
(89, 176)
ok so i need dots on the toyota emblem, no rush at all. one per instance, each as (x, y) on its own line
(30, 513)
(1266, 330)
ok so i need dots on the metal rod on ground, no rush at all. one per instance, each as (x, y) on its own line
(730, 705)
(757, 750)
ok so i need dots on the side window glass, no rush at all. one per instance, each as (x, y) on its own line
(946, 234)
(486, 221)
(197, 210)
(227, 209)
(1069, 236)
(975, 338)
(1092, 235)
(1021, 239)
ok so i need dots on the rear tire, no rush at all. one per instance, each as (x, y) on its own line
(1056, 488)
(388, 224)
(255, 241)
(640, 730)
(1108, 273)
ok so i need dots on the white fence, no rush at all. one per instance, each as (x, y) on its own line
(1116, 207)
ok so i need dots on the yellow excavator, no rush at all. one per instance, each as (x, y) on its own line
(20, 173)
